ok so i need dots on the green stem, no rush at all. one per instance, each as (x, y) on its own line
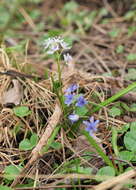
(114, 97)
(98, 149)
(60, 93)
(59, 69)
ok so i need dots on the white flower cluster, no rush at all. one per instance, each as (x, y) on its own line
(54, 44)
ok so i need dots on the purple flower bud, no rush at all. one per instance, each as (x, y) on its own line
(73, 117)
(68, 58)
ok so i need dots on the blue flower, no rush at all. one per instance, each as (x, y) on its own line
(72, 88)
(91, 125)
(73, 117)
(68, 99)
(81, 101)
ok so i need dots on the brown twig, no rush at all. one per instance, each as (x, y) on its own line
(36, 153)
(15, 74)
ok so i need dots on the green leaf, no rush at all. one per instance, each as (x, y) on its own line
(81, 111)
(114, 112)
(131, 30)
(130, 15)
(103, 12)
(56, 145)
(126, 155)
(16, 129)
(133, 127)
(82, 170)
(21, 111)
(53, 33)
(124, 128)
(114, 33)
(125, 106)
(25, 145)
(120, 49)
(106, 171)
(34, 139)
(130, 141)
(5, 188)
(12, 171)
(70, 6)
(133, 108)
(131, 57)
(131, 75)
(98, 149)
(5, 15)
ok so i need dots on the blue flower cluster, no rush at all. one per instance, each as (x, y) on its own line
(91, 124)
(70, 94)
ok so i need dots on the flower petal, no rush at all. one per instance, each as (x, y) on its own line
(73, 117)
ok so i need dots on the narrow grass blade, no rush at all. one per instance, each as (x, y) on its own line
(114, 97)
(97, 148)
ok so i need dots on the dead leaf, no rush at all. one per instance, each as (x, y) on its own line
(13, 95)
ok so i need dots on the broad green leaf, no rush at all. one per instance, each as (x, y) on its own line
(126, 155)
(128, 169)
(114, 112)
(5, 188)
(124, 128)
(21, 111)
(81, 111)
(120, 49)
(16, 129)
(131, 57)
(34, 139)
(130, 141)
(133, 127)
(25, 145)
(103, 12)
(131, 30)
(130, 15)
(11, 171)
(114, 32)
(131, 75)
(106, 171)
(56, 145)
(70, 6)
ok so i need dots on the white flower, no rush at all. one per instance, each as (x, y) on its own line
(67, 58)
(73, 117)
(54, 44)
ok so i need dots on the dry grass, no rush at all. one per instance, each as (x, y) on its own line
(95, 54)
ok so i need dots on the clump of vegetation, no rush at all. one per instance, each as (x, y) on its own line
(71, 123)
